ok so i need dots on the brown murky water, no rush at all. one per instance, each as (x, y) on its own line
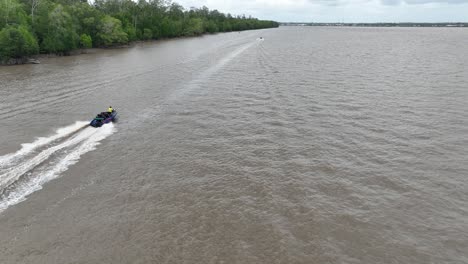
(314, 145)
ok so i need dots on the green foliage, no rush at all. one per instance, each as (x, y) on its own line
(60, 26)
(194, 27)
(131, 32)
(110, 32)
(61, 36)
(171, 28)
(211, 27)
(147, 34)
(12, 13)
(41, 20)
(17, 42)
(86, 41)
(226, 26)
(86, 18)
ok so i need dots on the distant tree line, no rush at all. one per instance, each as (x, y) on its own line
(29, 27)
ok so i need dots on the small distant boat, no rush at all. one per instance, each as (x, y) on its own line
(103, 118)
(33, 61)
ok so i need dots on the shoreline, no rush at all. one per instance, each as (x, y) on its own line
(36, 59)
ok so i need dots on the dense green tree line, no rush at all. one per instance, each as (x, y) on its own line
(29, 27)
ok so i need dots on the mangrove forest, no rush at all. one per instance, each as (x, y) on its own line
(29, 27)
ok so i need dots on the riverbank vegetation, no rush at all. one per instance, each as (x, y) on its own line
(29, 27)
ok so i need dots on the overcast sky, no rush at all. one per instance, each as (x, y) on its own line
(342, 10)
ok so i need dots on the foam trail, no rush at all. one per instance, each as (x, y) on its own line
(90, 142)
(27, 148)
(17, 171)
(211, 71)
(225, 60)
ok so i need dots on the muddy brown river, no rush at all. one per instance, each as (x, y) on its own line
(308, 145)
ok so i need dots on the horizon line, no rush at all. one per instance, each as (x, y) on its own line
(460, 22)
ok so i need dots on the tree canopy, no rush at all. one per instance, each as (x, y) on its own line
(17, 41)
(28, 27)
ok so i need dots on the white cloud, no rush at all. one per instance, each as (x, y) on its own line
(342, 10)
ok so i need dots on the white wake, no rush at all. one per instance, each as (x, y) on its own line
(27, 171)
(212, 70)
(27, 148)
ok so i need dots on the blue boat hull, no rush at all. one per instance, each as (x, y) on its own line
(103, 118)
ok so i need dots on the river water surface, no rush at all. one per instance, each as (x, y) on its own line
(311, 145)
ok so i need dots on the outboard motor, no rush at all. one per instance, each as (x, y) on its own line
(96, 123)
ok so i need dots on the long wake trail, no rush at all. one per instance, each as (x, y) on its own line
(206, 74)
(26, 170)
(27, 148)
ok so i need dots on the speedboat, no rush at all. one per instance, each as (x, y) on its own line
(104, 118)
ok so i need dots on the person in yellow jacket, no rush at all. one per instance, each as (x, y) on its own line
(110, 109)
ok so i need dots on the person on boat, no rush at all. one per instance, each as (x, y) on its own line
(110, 109)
